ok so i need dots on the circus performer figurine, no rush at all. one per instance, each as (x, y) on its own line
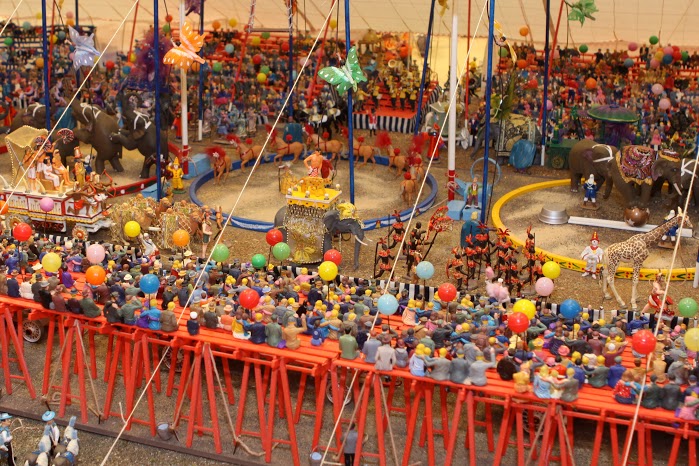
(397, 230)
(177, 174)
(314, 163)
(79, 169)
(44, 168)
(29, 164)
(472, 193)
(590, 192)
(206, 231)
(373, 120)
(655, 300)
(384, 259)
(59, 169)
(592, 255)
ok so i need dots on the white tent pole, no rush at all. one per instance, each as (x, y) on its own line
(184, 124)
(453, 89)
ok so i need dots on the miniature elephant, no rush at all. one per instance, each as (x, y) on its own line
(590, 158)
(98, 125)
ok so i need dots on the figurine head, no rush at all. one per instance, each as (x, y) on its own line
(570, 372)
(442, 352)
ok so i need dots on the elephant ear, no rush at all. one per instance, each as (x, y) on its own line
(138, 133)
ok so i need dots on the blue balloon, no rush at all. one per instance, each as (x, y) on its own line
(667, 59)
(229, 48)
(424, 270)
(570, 309)
(149, 284)
(388, 304)
(126, 69)
(61, 35)
(628, 62)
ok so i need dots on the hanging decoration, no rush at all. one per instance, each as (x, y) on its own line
(85, 51)
(445, 6)
(192, 6)
(348, 76)
(183, 55)
(581, 10)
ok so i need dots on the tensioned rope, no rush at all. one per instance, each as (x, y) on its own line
(220, 236)
(627, 447)
(407, 229)
(68, 107)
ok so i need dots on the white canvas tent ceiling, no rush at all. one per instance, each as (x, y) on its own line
(618, 21)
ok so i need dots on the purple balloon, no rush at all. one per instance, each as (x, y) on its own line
(657, 89)
(549, 105)
(544, 286)
(95, 253)
(46, 204)
(664, 104)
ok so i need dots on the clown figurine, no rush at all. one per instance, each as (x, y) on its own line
(592, 255)
(177, 175)
(590, 193)
(472, 193)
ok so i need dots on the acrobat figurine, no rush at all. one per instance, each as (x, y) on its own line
(590, 187)
(472, 193)
(592, 255)
(314, 163)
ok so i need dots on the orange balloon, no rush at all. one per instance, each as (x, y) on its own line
(524, 31)
(521, 64)
(180, 238)
(216, 25)
(4, 207)
(195, 66)
(95, 275)
(591, 83)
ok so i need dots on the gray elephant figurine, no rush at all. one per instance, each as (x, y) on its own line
(590, 158)
(334, 226)
(98, 125)
(138, 132)
(678, 174)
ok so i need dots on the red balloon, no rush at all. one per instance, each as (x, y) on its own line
(249, 299)
(518, 322)
(677, 55)
(109, 65)
(333, 255)
(643, 342)
(285, 46)
(22, 231)
(447, 292)
(257, 59)
(274, 236)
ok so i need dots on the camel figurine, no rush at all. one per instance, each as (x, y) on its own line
(332, 147)
(636, 250)
(246, 151)
(220, 162)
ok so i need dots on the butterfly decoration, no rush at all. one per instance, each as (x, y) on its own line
(347, 76)
(183, 55)
(85, 51)
(582, 9)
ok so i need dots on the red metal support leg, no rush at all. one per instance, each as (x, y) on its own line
(9, 337)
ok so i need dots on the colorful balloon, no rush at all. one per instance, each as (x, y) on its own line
(180, 238)
(249, 298)
(583, 48)
(688, 307)
(551, 270)
(521, 64)
(633, 46)
(544, 286)
(132, 229)
(95, 275)
(256, 59)
(258, 261)
(333, 255)
(256, 41)
(388, 304)
(424, 270)
(327, 271)
(232, 22)
(653, 40)
(261, 78)
(629, 62)
(4, 207)
(524, 31)
(667, 59)
(166, 28)
(220, 252)
(216, 25)
(664, 103)
(447, 292)
(149, 283)
(274, 236)
(46, 204)
(526, 307)
(691, 339)
(657, 89)
(265, 35)
(643, 342)
(217, 67)
(22, 231)
(51, 262)
(229, 49)
(518, 322)
(332, 23)
(95, 253)
(591, 83)
(654, 63)
(570, 309)
(281, 251)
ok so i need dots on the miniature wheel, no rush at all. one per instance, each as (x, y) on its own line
(167, 361)
(79, 232)
(32, 331)
(329, 394)
(14, 219)
(558, 162)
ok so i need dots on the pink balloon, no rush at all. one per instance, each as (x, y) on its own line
(664, 104)
(657, 89)
(549, 105)
(95, 253)
(668, 50)
(633, 46)
(46, 204)
(544, 286)
(654, 63)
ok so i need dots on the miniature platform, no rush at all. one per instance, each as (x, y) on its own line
(312, 192)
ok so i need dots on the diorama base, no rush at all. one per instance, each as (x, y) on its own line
(589, 205)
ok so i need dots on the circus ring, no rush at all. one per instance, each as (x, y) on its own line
(262, 226)
(577, 265)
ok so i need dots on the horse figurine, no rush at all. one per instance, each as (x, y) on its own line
(332, 147)
(398, 161)
(361, 150)
(246, 151)
(288, 148)
(220, 162)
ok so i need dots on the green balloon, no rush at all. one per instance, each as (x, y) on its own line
(265, 35)
(653, 40)
(281, 251)
(583, 48)
(265, 69)
(166, 28)
(504, 52)
(220, 253)
(8, 41)
(258, 261)
(688, 307)
(685, 55)
(217, 66)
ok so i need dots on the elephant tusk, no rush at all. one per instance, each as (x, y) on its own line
(677, 188)
(356, 238)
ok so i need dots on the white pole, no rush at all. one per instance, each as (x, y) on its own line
(184, 124)
(453, 87)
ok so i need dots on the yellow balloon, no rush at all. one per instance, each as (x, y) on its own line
(70, 22)
(132, 58)
(691, 339)
(53, 38)
(132, 229)
(39, 62)
(38, 16)
(327, 271)
(232, 22)
(526, 307)
(332, 23)
(551, 270)
(51, 262)
(256, 41)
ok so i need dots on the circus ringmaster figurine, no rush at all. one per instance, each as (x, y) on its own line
(592, 255)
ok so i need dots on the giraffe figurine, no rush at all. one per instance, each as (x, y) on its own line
(635, 250)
